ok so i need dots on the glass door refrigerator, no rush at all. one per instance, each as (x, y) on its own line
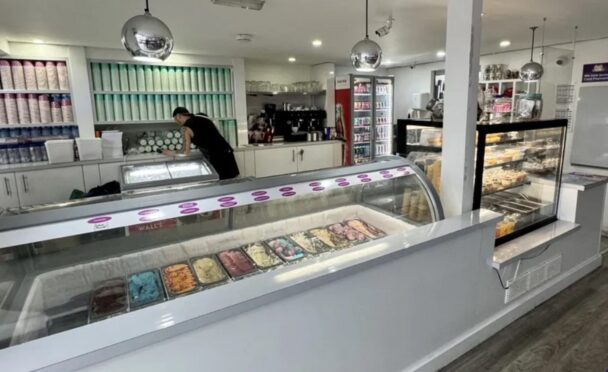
(383, 116)
(364, 114)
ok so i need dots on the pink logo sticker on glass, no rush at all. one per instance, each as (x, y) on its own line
(188, 205)
(148, 212)
(366, 180)
(287, 194)
(343, 184)
(259, 193)
(99, 220)
(384, 172)
(226, 199)
(286, 189)
(315, 184)
(189, 211)
(341, 180)
(401, 169)
(147, 219)
(228, 204)
(388, 176)
(362, 176)
(261, 198)
(318, 189)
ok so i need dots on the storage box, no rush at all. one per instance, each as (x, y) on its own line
(60, 151)
(89, 148)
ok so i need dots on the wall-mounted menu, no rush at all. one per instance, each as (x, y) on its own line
(127, 93)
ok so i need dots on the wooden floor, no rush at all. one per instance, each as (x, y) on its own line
(567, 333)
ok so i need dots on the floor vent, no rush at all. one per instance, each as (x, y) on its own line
(533, 278)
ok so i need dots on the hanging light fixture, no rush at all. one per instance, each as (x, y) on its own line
(532, 70)
(366, 55)
(147, 38)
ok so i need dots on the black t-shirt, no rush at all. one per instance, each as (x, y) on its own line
(206, 136)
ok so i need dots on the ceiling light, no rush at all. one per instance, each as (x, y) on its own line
(366, 55)
(245, 4)
(148, 37)
(532, 70)
(505, 43)
(441, 54)
(38, 41)
(317, 43)
(292, 59)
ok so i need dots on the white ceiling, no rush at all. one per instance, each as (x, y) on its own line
(286, 27)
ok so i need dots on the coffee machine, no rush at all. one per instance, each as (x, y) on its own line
(295, 126)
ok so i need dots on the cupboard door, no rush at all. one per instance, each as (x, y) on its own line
(315, 157)
(48, 186)
(275, 161)
(8, 191)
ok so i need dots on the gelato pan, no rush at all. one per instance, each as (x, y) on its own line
(178, 279)
(262, 256)
(370, 231)
(310, 243)
(208, 270)
(145, 288)
(236, 263)
(108, 298)
(329, 238)
(286, 249)
(347, 233)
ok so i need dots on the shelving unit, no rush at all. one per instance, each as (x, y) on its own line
(33, 91)
(285, 94)
(34, 125)
(516, 84)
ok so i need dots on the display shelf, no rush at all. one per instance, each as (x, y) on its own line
(298, 94)
(504, 164)
(362, 110)
(362, 94)
(503, 81)
(510, 187)
(505, 142)
(161, 93)
(424, 148)
(32, 91)
(144, 122)
(34, 125)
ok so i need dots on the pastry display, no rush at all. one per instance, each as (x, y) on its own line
(236, 263)
(145, 288)
(365, 228)
(109, 298)
(329, 238)
(310, 243)
(346, 232)
(262, 256)
(501, 179)
(179, 279)
(286, 249)
(208, 270)
(415, 207)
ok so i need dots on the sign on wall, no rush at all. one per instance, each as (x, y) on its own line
(595, 72)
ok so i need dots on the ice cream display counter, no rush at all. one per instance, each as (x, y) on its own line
(73, 269)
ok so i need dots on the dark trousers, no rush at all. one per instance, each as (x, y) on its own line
(224, 164)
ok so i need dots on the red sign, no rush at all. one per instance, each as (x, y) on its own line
(152, 226)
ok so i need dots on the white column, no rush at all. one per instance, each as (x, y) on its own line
(460, 109)
(82, 100)
(240, 100)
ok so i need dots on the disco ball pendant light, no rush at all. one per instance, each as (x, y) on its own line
(532, 70)
(147, 38)
(366, 55)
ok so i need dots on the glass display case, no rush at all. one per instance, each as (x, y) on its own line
(152, 175)
(67, 268)
(517, 172)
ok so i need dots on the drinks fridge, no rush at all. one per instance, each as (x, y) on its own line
(364, 117)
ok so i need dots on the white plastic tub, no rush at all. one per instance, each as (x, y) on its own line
(89, 148)
(60, 151)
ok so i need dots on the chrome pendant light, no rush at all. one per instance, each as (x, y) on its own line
(366, 55)
(532, 70)
(147, 38)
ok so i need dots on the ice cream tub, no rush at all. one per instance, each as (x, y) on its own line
(329, 238)
(310, 243)
(209, 271)
(145, 288)
(370, 231)
(178, 279)
(237, 263)
(109, 298)
(347, 233)
(262, 255)
(286, 249)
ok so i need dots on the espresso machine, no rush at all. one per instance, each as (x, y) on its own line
(299, 126)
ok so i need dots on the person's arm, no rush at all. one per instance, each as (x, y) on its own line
(187, 141)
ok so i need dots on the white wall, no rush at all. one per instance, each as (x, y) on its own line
(587, 52)
(409, 81)
(348, 69)
(277, 73)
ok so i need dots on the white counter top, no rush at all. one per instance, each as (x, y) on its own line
(274, 145)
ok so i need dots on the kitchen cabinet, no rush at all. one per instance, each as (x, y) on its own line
(8, 196)
(109, 172)
(91, 175)
(47, 186)
(274, 161)
(315, 157)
